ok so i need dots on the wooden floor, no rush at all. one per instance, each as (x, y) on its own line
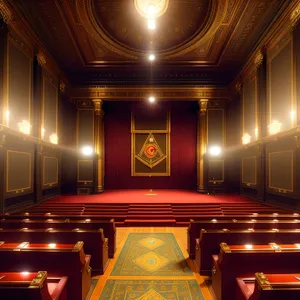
(181, 237)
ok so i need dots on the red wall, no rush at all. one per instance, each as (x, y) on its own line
(183, 141)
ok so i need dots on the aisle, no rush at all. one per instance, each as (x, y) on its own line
(151, 263)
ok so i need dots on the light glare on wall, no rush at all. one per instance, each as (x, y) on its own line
(87, 150)
(24, 127)
(275, 127)
(293, 115)
(43, 130)
(215, 150)
(151, 24)
(53, 138)
(246, 139)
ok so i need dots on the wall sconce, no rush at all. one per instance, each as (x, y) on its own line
(246, 138)
(53, 138)
(215, 150)
(24, 127)
(275, 127)
(87, 150)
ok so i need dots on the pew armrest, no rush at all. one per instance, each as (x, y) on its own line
(57, 287)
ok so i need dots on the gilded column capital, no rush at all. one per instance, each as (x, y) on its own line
(203, 106)
(259, 57)
(41, 59)
(295, 16)
(5, 13)
(98, 107)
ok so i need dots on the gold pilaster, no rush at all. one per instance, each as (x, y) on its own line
(99, 145)
(201, 145)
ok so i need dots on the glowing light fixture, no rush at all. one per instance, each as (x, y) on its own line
(215, 150)
(297, 245)
(295, 214)
(151, 99)
(293, 115)
(52, 245)
(24, 127)
(87, 150)
(248, 246)
(275, 214)
(275, 220)
(88, 220)
(246, 139)
(43, 130)
(214, 220)
(151, 24)
(151, 9)
(275, 127)
(53, 138)
(151, 57)
(7, 114)
(256, 132)
(25, 273)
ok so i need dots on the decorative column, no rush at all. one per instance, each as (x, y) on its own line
(99, 146)
(201, 146)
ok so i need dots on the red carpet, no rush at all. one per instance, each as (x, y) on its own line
(156, 196)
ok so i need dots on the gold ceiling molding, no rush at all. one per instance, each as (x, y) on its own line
(141, 93)
(295, 16)
(5, 13)
(85, 11)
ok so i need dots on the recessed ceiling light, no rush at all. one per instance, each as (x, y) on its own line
(151, 57)
(151, 99)
(151, 24)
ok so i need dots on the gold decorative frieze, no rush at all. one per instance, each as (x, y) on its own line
(41, 59)
(258, 59)
(98, 107)
(161, 93)
(295, 16)
(5, 13)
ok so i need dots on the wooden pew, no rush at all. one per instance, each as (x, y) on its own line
(95, 243)
(108, 227)
(195, 227)
(209, 242)
(269, 287)
(58, 259)
(235, 261)
(32, 286)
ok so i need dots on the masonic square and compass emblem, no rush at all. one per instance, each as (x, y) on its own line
(150, 154)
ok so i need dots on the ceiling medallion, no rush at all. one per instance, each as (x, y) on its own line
(151, 9)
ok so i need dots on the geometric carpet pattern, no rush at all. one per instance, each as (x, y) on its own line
(152, 290)
(151, 254)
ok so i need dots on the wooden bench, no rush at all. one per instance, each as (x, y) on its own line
(95, 243)
(58, 259)
(209, 242)
(108, 227)
(235, 261)
(269, 286)
(32, 286)
(195, 227)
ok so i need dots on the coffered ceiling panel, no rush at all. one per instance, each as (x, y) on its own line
(108, 40)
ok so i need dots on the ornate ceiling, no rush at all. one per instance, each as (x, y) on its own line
(107, 41)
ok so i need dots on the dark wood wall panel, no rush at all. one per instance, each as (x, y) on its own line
(85, 171)
(19, 85)
(18, 171)
(280, 75)
(50, 171)
(249, 107)
(215, 127)
(50, 99)
(249, 170)
(216, 170)
(233, 122)
(85, 126)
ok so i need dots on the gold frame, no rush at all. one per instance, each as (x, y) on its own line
(50, 183)
(45, 77)
(6, 173)
(77, 126)
(255, 170)
(6, 81)
(250, 78)
(78, 162)
(292, 172)
(168, 155)
(223, 126)
(293, 106)
(223, 171)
